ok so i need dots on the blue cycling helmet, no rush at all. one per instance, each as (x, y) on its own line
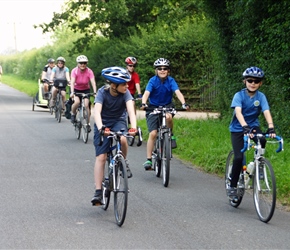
(253, 72)
(117, 75)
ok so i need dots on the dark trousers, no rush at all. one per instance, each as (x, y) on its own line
(237, 144)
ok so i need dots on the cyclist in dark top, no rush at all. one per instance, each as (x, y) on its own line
(45, 76)
(160, 90)
(111, 106)
(247, 104)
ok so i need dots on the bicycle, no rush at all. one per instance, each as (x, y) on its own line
(115, 177)
(162, 152)
(82, 118)
(259, 176)
(58, 106)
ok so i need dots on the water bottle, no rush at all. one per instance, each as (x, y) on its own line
(250, 167)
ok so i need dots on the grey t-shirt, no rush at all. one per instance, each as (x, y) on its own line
(113, 107)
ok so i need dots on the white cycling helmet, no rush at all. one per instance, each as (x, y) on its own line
(161, 62)
(82, 58)
(60, 59)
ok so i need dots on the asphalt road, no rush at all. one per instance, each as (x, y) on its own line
(46, 183)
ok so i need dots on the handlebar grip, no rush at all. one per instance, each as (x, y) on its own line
(280, 139)
(245, 143)
(140, 139)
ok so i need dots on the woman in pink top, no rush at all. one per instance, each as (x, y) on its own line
(81, 78)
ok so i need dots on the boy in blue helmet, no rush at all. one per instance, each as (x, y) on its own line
(111, 104)
(247, 104)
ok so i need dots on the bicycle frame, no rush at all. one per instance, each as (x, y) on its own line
(262, 177)
(258, 154)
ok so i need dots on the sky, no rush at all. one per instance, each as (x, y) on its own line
(17, 18)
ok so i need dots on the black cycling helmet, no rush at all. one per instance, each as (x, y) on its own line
(50, 60)
(253, 72)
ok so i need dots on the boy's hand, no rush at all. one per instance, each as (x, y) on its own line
(132, 131)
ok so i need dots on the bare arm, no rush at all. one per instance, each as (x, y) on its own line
(138, 88)
(97, 115)
(131, 112)
(145, 96)
(240, 117)
(268, 118)
(180, 96)
(94, 85)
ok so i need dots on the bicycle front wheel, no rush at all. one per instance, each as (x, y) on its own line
(165, 159)
(157, 157)
(120, 191)
(85, 123)
(240, 185)
(106, 185)
(265, 190)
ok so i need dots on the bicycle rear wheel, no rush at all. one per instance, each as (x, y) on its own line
(265, 190)
(85, 122)
(106, 185)
(157, 158)
(240, 185)
(165, 158)
(120, 192)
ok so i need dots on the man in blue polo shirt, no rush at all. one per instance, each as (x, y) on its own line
(160, 90)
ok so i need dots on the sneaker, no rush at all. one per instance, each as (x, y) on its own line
(73, 118)
(46, 96)
(89, 128)
(148, 165)
(97, 200)
(129, 173)
(232, 192)
(173, 142)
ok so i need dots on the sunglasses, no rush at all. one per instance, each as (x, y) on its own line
(131, 66)
(161, 68)
(255, 81)
(83, 63)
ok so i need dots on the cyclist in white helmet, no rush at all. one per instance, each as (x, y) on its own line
(59, 73)
(247, 104)
(81, 79)
(45, 76)
(159, 91)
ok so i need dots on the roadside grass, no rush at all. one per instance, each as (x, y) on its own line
(203, 144)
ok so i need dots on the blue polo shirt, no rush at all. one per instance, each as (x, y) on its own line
(161, 93)
(251, 109)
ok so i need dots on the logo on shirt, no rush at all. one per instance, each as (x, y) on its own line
(257, 103)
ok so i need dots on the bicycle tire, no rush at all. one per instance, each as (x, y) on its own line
(59, 109)
(106, 185)
(130, 141)
(165, 158)
(265, 197)
(33, 103)
(85, 122)
(78, 125)
(120, 191)
(157, 158)
(240, 185)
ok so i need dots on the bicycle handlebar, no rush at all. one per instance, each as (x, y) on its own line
(84, 94)
(117, 134)
(161, 109)
(247, 139)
